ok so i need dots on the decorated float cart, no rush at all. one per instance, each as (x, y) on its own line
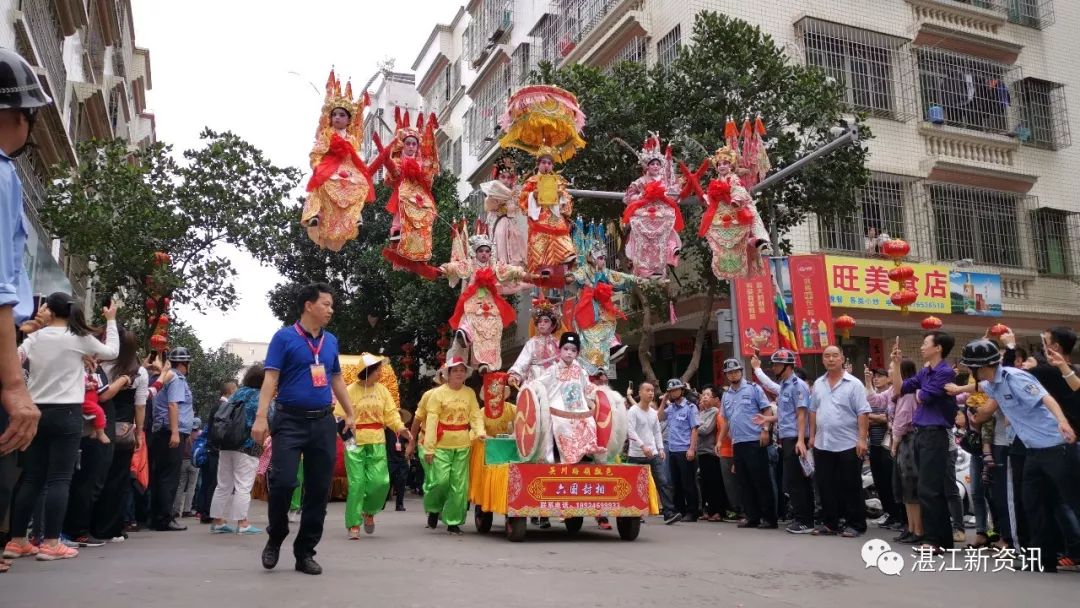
(519, 476)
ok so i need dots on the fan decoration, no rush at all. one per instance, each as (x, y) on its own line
(844, 323)
(543, 119)
(904, 296)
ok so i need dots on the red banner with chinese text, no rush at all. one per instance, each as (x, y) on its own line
(757, 314)
(812, 312)
(579, 490)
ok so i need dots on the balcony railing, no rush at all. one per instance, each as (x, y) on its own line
(49, 41)
(569, 22)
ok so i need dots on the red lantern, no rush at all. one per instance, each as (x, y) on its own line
(151, 304)
(165, 303)
(443, 343)
(407, 374)
(407, 361)
(442, 358)
(161, 258)
(904, 298)
(931, 323)
(444, 328)
(999, 330)
(163, 321)
(901, 274)
(896, 249)
(844, 323)
(158, 342)
(407, 347)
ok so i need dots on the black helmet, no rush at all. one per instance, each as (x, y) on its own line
(19, 85)
(732, 365)
(783, 357)
(179, 355)
(980, 353)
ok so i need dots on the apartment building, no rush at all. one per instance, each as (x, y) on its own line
(972, 159)
(85, 55)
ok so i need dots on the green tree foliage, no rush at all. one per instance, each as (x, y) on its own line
(375, 308)
(729, 68)
(120, 205)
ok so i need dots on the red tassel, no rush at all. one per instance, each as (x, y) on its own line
(397, 117)
(433, 122)
(729, 129)
(759, 126)
(745, 131)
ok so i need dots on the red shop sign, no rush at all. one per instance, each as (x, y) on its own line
(757, 314)
(813, 320)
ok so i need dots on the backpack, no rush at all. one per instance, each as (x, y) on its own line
(199, 451)
(228, 426)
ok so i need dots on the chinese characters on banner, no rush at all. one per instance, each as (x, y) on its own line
(813, 321)
(859, 283)
(580, 490)
(757, 314)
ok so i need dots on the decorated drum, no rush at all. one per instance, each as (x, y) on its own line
(611, 421)
(532, 424)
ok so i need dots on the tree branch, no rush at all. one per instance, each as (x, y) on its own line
(699, 338)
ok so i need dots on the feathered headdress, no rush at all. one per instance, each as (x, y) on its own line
(589, 241)
(542, 307)
(402, 122)
(651, 150)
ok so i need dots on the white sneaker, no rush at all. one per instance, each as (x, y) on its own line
(117, 539)
(294, 516)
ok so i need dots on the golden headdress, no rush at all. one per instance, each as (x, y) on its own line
(336, 98)
(727, 153)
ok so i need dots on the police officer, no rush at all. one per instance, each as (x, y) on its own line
(173, 417)
(792, 401)
(1039, 422)
(745, 417)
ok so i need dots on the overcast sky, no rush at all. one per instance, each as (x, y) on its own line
(245, 66)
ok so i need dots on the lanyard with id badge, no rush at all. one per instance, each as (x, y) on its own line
(318, 371)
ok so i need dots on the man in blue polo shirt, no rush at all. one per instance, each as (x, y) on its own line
(172, 417)
(1049, 481)
(743, 403)
(303, 370)
(682, 427)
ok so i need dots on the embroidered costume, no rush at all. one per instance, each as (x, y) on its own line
(412, 205)
(540, 351)
(731, 224)
(653, 216)
(503, 214)
(571, 399)
(340, 182)
(498, 413)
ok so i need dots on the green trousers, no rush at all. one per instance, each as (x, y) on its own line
(426, 468)
(298, 493)
(448, 491)
(369, 481)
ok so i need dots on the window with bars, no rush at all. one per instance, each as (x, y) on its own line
(488, 104)
(965, 91)
(1038, 14)
(1054, 231)
(872, 66)
(455, 151)
(633, 51)
(977, 224)
(521, 65)
(491, 20)
(878, 215)
(667, 49)
(1045, 121)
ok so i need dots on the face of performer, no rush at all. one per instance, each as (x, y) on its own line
(544, 326)
(507, 178)
(653, 168)
(483, 255)
(410, 147)
(599, 262)
(456, 377)
(339, 118)
(546, 165)
(568, 352)
(723, 167)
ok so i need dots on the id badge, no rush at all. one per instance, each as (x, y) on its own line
(318, 376)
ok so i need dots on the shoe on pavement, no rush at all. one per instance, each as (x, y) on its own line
(67, 542)
(748, 524)
(455, 530)
(545, 523)
(89, 541)
(14, 550)
(399, 508)
(603, 523)
(433, 520)
(117, 539)
(850, 532)
(308, 565)
(689, 518)
(959, 536)
(222, 529)
(354, 533)
(672, 518)
(769, 525)
(910, 539)
(48, 553)
(294, 516)
(797, 528)
(172, 526)
(270, 555)
(369, 524)
(824, 530)
(249, 529)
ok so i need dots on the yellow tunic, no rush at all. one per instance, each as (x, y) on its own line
(373, 406)
(502, 425)
(452, 408)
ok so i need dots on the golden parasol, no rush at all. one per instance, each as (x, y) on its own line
(543, 120)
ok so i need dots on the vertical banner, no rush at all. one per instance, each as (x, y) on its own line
(813, 321)
(877, 353)
(757, 314)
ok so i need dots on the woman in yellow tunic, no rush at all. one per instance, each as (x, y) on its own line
(453, 421)
(340, 182)
(365, 454)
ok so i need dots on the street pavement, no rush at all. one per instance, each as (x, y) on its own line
(403, 564)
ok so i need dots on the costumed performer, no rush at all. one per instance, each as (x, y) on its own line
(481, 312)
(654, 217)
(365, 456)
(453, 421)
(412, 162)
(542, 349)
(549, 207)
(500, 203)
(498, 413)
(571, 400)
(340, 182)
(417, 448)
(731, 224)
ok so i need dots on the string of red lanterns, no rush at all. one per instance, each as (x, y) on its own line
(904, 296)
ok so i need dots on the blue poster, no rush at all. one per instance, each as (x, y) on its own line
(975, 293)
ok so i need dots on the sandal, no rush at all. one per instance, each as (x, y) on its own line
(1066, 563)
